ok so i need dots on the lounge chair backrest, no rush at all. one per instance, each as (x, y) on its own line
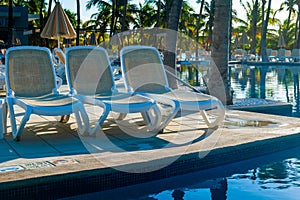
(281, 52)
(143, 69)
(295, 52)
(30, 71)
(88, 70)
(269, 52)
(274, 53)
(241, 52)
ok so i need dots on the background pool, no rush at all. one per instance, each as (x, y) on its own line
(275, 82)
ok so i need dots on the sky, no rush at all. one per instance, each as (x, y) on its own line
(86, 14)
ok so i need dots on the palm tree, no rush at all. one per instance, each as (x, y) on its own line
(298, 25)
(289, 6)
(78, 22)
(254, 27)
(111, 5)
(162, 12)
(170, 56)
(117, 10)
(41, 21)
(252, 22)
(211, 19)
(124, 15)
(264, 33)
(10, 22)
(158, 13)
(49, 8)
(99, 21)
(144, 16)
(218, 76)
(188, 20)
(47, 16)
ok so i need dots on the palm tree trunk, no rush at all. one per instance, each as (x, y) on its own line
(171, 40)
(264, 34)
(287, 25)
(114, 2)
(10, 23)
(78, 22)
(124, 16)
(49, 8)
(218, 81)
(198, 26)
(297, 36)
(296, 45)
(263, 18)
(158, 13)
(48, 14)
(197, 39)
(254, 29)
(211, 19)
(41, 22)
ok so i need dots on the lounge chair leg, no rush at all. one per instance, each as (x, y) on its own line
(82, 121)
(17, 131)
(219, 118)
(175, 108)
(64, 118)
(17, 138)
(120, 116)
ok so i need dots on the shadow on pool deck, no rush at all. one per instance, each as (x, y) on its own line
(51, 161)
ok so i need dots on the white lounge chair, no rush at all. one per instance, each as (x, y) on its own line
(90, 78)
(295, 55)
(272, 55)
(281, 57)
(31, 84)
(143, 71)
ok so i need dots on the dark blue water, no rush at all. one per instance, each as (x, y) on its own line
(275, 176)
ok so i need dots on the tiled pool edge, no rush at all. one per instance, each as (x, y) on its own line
(70, 184)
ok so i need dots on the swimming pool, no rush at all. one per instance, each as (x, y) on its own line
(276, 82)
(275, 176)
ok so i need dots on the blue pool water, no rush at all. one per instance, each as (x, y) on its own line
(276, 176)
(276, 82)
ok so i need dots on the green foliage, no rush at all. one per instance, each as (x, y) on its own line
(72, 17)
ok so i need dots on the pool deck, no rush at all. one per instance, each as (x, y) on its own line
(52, 161)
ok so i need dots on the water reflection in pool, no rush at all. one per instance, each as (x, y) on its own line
(278, 180)
(277, 82)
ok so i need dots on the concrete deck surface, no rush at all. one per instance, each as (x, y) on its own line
(51, 152)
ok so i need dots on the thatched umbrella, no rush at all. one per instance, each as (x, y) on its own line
(244, 39)
(58, 25)
(93, 40)
(281, 41)
(236, 43)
